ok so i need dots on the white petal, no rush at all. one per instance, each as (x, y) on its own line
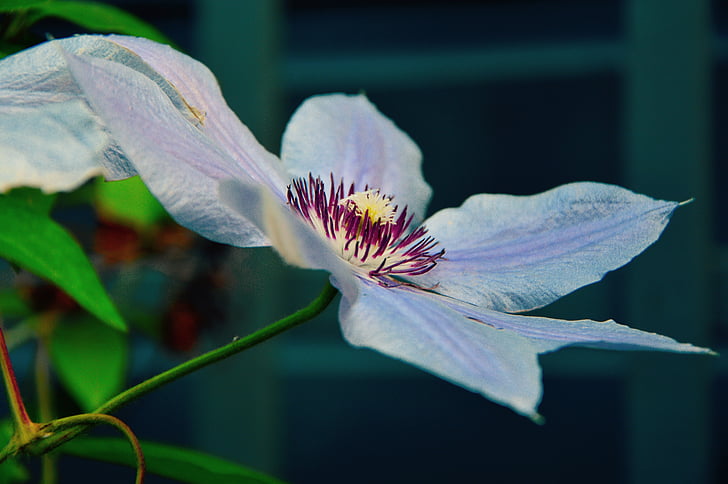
(514, 253)
(417, 328)
(49, 138)
(549, 334)
(200, 90)
(349, 137)
(55, 147)
(133, 106)
(177, 161)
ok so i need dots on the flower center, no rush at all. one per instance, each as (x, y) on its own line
(365, 228)
(372, 205)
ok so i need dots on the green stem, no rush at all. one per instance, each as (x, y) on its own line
(49, 473)
(88, 419)
(48, 469)
(315, 308)
(238, 345)
(23, 424)
(43, 381)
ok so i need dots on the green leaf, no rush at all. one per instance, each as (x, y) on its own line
(169, 461)
(33, 198)
(11, 5)
(98, 17)
(35, 242)
(128, 202)
(90, 359)
(12, 304)
(11, 470)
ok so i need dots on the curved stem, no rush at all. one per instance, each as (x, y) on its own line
(315, 308)
(86, 419)
(238, 345)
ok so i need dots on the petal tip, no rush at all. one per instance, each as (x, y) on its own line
(537, 418)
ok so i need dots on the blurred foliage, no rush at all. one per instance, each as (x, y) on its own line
(32, 240)
(169, 461)
(128, 202)
(21, 15)
(11, 470)
(81, 339)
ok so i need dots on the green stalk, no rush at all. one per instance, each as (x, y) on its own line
(24, 427)
(89, 419)
(315, 308)
(49, 473)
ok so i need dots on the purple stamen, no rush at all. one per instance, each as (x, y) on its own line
(361, 238)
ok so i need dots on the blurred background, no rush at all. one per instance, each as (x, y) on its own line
(504, 97)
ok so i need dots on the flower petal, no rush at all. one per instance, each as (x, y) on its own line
(514, 253)
(349, 137)
(296, 242)
(200, 90)
(180, 164)
(49, 138)
(549, 334)
(421, 330)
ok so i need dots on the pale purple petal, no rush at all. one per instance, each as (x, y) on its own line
(49, 138)
(177, 161)
(516, 253)
(349, 137)
(55, 148)
(549, 334)
(200, 90)
(421, 330)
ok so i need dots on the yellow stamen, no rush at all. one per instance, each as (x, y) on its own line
(378, 207)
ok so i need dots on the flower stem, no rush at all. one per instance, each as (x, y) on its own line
(86, 419)
(315, 308)
(23, 425)
(238, 345)
(49, 473)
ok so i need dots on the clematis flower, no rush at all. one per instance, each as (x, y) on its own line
(347, 196)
